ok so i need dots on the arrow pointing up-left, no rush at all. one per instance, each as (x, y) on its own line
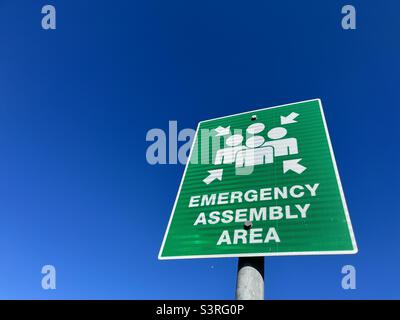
(293, 165)
(214, 174)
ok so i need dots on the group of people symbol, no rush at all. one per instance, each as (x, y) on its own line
(256, 150)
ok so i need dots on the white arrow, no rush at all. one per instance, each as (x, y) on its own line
(214, 174)
(289, 119)
(221, 131)
(293, 165)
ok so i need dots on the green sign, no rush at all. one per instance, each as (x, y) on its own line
(261, 183)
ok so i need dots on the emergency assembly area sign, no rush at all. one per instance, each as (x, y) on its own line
(260, 183)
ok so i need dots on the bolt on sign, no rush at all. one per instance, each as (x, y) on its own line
(261, 183)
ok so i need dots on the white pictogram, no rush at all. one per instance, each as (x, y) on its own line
(256, 150)
(282, 147)
(228, 155)
(255, 153)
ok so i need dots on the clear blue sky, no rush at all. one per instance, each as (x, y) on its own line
(76, 104)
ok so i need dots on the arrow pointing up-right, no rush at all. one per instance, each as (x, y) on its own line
(213, 174)
(289, 119)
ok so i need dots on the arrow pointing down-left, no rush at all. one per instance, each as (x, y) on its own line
(289, 119)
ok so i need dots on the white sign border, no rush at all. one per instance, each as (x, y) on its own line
(267, 254)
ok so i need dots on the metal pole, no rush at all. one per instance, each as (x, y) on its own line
(250, 278)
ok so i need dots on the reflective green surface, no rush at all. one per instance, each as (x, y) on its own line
(293, 212)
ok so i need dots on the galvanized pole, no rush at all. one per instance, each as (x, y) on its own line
(250, 278)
